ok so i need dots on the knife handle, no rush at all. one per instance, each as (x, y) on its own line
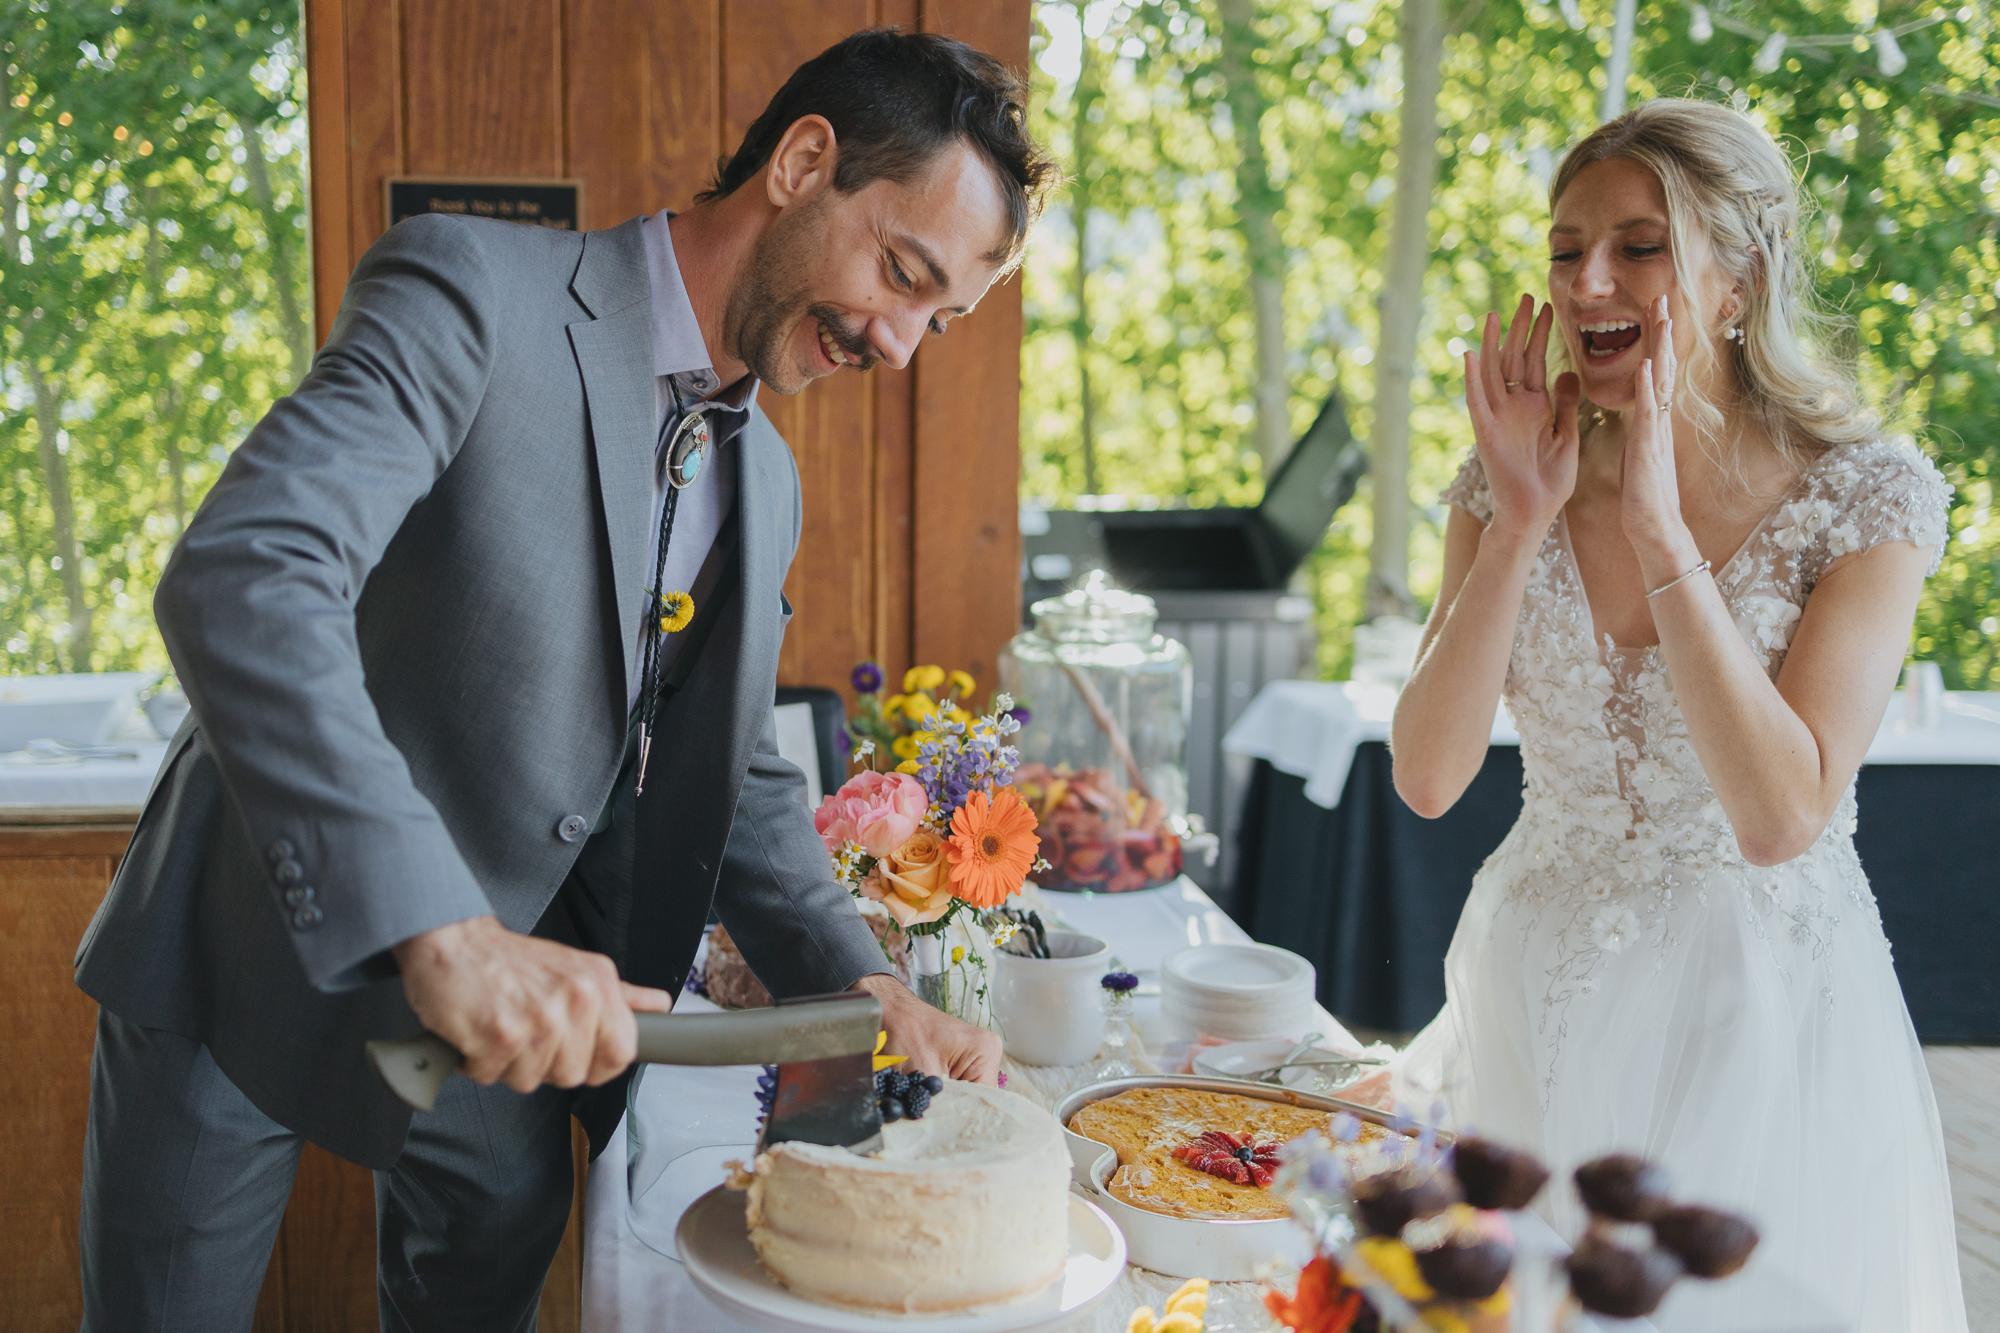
(812, 1028)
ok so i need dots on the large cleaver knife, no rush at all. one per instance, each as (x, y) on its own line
(822, 1045)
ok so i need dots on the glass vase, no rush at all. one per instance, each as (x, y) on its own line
(952, 970)
(1116, 1057)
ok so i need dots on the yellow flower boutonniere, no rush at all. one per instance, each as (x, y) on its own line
(676, 611)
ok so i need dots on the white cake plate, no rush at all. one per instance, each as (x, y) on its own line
(714, 1243)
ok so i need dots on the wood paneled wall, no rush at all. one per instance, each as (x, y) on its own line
(638, 99)
(51, 879)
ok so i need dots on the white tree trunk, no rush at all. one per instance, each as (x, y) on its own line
(1257, 209)
(1618, 69)
(1422, 36)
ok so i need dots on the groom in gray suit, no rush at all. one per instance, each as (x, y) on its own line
(447, 767)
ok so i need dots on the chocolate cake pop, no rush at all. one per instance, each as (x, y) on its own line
(1387, 1201)
(1615, 1280)
(1466, 1267)
(1623, 1187)
(1708, 1241)
(1495, 1176)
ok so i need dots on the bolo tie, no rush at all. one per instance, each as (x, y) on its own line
(686, 454)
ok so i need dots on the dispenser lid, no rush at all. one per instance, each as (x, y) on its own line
(1098, 610)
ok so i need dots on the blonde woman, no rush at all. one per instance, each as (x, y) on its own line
(1689, 564)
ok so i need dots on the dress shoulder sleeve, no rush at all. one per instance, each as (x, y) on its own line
(1886, 492)
(1468, 490)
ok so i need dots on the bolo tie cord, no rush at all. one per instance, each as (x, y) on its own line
(649, 676)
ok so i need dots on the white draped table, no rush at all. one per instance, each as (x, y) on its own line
(1310, 729)
(696, 1119)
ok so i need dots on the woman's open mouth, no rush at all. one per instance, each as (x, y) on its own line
(1605, 339)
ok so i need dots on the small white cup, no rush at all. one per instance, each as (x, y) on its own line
(1051, 1010)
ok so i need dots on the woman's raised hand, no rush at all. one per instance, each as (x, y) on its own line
(1527, 438)
(1650, 498)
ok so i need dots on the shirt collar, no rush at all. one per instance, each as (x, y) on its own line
(678, 348)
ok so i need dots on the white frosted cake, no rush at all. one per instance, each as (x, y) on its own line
(966, 1207)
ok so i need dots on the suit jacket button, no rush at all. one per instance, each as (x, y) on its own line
(307, 917)
(299, 895)
(572, 828)
(281, 850)
(288, 872)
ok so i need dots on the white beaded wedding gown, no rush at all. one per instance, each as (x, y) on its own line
(1621, 978)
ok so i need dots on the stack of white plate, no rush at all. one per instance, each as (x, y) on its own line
(1237, 991)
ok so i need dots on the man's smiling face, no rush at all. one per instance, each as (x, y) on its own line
(847, 280)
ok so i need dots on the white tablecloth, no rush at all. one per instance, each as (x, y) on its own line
(694, 1120)
(30, 782)
(1310, 728)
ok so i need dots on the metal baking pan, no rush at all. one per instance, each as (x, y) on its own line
(1220, 1249)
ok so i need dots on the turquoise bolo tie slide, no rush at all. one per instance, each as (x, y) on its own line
(688, 450)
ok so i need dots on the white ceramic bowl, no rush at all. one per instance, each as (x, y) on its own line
(1237, 972)
(1051, 1010)
(1276, 1021)
(1237, 991)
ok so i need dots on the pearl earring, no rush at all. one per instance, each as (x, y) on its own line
(1734, 333)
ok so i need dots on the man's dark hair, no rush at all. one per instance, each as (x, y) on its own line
(895, 100)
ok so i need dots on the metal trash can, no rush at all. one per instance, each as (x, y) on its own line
(1239, 641)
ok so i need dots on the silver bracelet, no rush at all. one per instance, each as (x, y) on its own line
(1701, 568)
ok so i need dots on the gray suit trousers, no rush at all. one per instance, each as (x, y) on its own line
(185, 1183)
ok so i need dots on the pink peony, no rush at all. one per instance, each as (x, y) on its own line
(878, 811)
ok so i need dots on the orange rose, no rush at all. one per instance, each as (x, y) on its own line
(914, 881)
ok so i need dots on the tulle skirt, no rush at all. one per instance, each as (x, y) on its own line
(1759, 1050)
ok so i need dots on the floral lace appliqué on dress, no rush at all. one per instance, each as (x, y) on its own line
(1621, 976)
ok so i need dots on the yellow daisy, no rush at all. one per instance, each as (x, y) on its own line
(676, 611)
(962, 684)
(924, 678)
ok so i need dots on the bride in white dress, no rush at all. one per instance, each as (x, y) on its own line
(1694, 589)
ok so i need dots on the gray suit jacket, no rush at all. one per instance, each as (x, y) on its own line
(404, 617)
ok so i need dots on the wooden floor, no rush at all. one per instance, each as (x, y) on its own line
(1967, 1079)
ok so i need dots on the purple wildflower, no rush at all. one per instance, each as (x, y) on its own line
(1119, 982)
(1021, 715)
(767, 1093)
(867, 678)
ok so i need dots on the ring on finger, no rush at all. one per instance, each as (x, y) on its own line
(1511, 384)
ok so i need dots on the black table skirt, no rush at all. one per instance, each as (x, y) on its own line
(1371, 892)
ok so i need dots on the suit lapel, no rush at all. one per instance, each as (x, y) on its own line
(614, 354)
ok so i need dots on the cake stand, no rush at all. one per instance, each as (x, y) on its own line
(714, 1242)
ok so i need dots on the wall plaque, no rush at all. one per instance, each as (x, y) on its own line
(542, 203)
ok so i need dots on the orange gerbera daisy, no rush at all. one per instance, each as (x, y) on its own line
(1324, 1303)
(992, 847)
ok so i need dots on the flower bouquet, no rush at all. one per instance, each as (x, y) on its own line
(933, 829)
